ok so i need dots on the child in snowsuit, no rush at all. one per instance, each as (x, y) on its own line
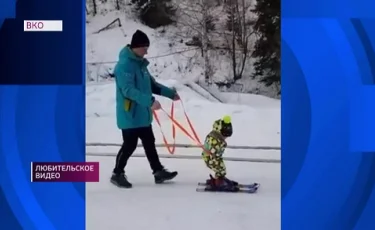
(215, 145)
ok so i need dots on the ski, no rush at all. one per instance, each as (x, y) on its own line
(247, 190)
(252, 185)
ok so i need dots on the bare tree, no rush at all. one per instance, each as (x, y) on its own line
(196, 22)
(239, 25)
(95, 10)
(200, 21)
(91, 7)
(204, 35)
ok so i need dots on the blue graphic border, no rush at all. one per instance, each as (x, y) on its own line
(328, 125)
(41, 58)
(42, 113)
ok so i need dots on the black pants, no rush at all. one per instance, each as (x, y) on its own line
(130, 141)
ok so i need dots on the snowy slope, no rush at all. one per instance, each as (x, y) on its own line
(169, 56)
(258, 101)
(253, 125)
(166, 62)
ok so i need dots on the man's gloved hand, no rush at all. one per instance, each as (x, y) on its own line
(176, 97)
(156, 105)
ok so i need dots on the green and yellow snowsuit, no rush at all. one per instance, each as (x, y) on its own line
(215, 144)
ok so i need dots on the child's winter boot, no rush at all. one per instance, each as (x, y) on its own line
(234, 183)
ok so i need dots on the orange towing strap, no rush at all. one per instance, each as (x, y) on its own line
(171, 148)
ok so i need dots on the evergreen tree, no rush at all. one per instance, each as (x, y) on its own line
(267, 47)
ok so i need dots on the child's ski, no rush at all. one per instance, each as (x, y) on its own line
(240, 190)
(252, 185)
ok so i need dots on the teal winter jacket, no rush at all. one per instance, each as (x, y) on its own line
(134, 89)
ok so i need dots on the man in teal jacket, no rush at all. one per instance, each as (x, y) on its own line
(134, 105)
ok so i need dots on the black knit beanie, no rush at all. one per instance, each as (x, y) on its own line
(139, 39)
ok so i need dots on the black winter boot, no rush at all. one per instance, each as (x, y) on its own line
(234, 183)
(120, 181)
(164, 175)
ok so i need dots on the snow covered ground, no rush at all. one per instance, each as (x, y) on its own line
(177, 205)
(256, 122)
(257, 101)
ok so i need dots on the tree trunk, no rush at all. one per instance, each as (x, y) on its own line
(205, 43)
(234, 63)
(94, 6)
(245, 40)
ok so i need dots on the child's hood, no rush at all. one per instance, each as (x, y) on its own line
(223, 126)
